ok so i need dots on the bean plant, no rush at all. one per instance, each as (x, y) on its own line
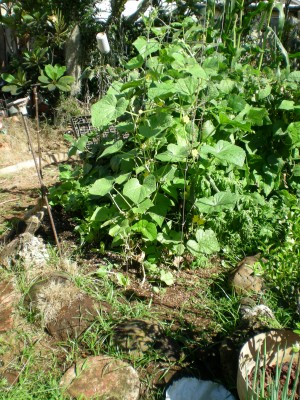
(191, 154)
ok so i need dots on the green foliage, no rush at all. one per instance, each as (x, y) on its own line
(16, 84)
(282, 270)
(35, 58)
(203, 154)
(52, 78)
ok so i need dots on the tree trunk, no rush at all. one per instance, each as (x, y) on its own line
(72, 55)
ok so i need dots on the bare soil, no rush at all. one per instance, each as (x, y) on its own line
(19, 191)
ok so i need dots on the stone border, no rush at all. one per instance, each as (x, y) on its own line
(47, 159)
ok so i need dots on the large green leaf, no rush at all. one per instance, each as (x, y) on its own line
(243, 125)
(212, 65)
(63, 88)
(147, 229)
(135, 62)
(102, 186)
(264, 92)
(226, 85)
(66, 80)
(294, 133)
(78, 145)
(103, 213)
(8, 77)
(208, 129)
(225, 151)
(146, 46)
(13, 89)
(112, 149)
(169, 237)
(287, 105)
(198, 72)
(155, 124)
(159, 211)
(143, 207)
(166, 277)
(108, 109)
(132, 84)
(137, 192)
(122, 178)
(294, 76)
(187, 87)
(55, 72)
(51, 87)
(44, 79)
(206, 243)
(162, 90)
(296, 170)
(216, 203)
(258, 116)
(236, 102)
(174, 153)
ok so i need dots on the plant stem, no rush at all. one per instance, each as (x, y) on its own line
(239, 35)
(264, 45)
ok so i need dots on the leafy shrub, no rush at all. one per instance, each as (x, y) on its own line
(282, 269)
(202, 154)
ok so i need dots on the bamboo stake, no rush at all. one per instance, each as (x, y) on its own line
(43, 187)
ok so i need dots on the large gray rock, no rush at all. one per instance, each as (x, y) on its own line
(101, 377)
(258, 317)
(26, 249)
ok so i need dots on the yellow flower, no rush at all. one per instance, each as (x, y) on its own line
(195, 153)
(198, 220)
(185, 119)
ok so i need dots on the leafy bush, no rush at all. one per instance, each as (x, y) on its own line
(202, 158)
(282, 269)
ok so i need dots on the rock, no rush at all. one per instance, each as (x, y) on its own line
(52, 286)
(73, 319)
(8, 299)
(258, 317)
(246, 277)
(138, 336)
(27, 249)
(101, 377)
(32, 224)
(34, 217)
(63, 309)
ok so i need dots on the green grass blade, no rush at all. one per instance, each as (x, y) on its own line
(283, 51)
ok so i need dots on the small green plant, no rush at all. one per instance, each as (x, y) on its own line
(267, 387)
(35, 58)
(52, 78)
(17, 84)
